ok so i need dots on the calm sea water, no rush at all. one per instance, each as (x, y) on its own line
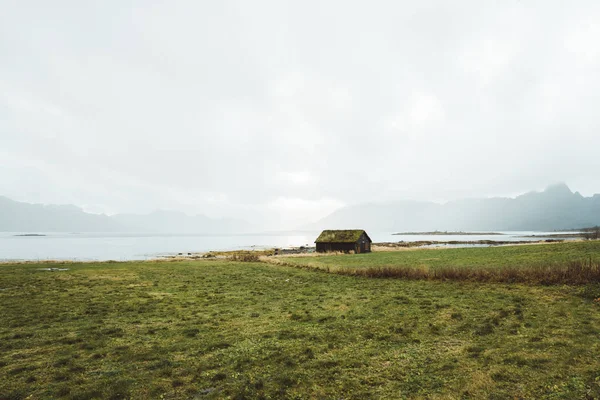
(135, 246)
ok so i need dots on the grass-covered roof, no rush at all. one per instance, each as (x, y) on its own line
(339, 236)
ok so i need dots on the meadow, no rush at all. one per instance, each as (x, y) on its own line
(546, 263)
(214, 329)
(468, 257)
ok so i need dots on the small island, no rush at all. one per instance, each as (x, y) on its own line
(448, 233)
(31, 234)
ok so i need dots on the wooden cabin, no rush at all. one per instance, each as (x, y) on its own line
(345, 241)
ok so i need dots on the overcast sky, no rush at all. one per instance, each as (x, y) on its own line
(286, 110)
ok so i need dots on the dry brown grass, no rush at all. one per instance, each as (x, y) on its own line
(245, 256)
(574, 273)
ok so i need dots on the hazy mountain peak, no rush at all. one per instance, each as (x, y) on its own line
(558, 188)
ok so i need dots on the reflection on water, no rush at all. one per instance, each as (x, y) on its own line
(135, 246)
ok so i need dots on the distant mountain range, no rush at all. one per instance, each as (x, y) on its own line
(556, 208)
(24, 217)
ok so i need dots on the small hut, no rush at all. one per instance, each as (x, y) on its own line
(355, 240)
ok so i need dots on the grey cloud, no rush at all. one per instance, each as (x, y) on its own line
(286, 110)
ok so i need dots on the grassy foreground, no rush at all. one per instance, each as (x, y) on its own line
(218, 329)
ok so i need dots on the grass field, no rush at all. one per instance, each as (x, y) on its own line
(495, 257)
(219, 329)
(559, 263)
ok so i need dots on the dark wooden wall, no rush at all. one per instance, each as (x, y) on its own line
(343, 247)
(362, 245)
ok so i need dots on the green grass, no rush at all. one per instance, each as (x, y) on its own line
(219, 329)
(521, 256)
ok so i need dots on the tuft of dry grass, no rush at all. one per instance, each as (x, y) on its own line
(245, 256)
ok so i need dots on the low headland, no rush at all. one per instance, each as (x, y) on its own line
(448, 233)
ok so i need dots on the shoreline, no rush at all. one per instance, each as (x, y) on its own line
(304, 250)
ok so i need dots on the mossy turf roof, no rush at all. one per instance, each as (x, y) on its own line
(340, 236)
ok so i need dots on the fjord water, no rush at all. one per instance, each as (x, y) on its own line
(136, 246)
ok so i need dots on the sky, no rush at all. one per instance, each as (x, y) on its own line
(280, 112)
